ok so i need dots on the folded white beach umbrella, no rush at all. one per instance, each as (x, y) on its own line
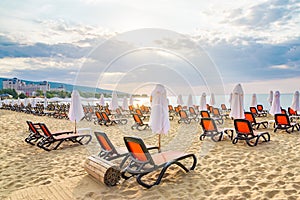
(275, 108)
(295, 103)
(159, 118)
(237, 103)
(190, 101)
(203, 102)
(270, 98)
(76, 112)
(102, 103)
(131, 100)
(45, 102)
(114, 101)
(179, 100)
(19, 101)
(230, 99)
(212, 100)
(253, 100)
(125, 103)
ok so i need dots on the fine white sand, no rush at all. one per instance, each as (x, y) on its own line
(224, 171)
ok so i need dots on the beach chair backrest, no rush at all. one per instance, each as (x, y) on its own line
(260, 108)
(183, 114)
(179, 107)
(243, 126)
(282, 119)
(223, 106)
(138, 150)
(137, 119)
(104, 141)
(118, 111)
(130, 108)
(283, 111)
(192, 110)
(208, 124)
(105, 116)
(253, 110)
(216, 112)
(45, 130)
(204, 114)
(250, 117)
(32, 127)
(170, 107)
(291, 111)
(107, 111)
(98, 115)
(139, 112)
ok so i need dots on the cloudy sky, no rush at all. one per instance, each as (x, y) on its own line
(129, 45)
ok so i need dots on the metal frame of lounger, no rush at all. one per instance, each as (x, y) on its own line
(143, 163)
(60, 137)
(244, 131)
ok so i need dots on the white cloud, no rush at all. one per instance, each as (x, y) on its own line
(281, 67)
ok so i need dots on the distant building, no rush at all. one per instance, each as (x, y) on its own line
(58, 89)
(28, 89)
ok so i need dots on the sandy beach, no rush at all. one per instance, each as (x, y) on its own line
(224, 171)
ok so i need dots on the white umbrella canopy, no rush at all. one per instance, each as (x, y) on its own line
(159, 118)
(253, 100)
(45, 102)
(179, 100)
(237, 103)
(76, 112)
(102, 102)
(203, 102)
(270, 98)
(114, 101)
(125, 103)
(19, 101)
(212, 101)
(131, 100)
(275, 108)
(190, 101)
(295, 103)
(33, 102)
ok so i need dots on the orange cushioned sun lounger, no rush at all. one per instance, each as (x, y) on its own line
(143, 163)
(51, 138)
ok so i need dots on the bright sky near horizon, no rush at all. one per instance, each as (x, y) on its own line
(256, 43)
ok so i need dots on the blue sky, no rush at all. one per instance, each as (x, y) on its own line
(256, 43)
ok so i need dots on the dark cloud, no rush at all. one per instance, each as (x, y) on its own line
(13, 49)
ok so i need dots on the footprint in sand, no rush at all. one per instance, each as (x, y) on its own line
(271, 194)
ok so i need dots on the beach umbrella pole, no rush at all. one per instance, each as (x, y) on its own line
(75, 127)
(159, 144)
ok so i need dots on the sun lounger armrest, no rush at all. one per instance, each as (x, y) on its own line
(153, 147)
(64, 132)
